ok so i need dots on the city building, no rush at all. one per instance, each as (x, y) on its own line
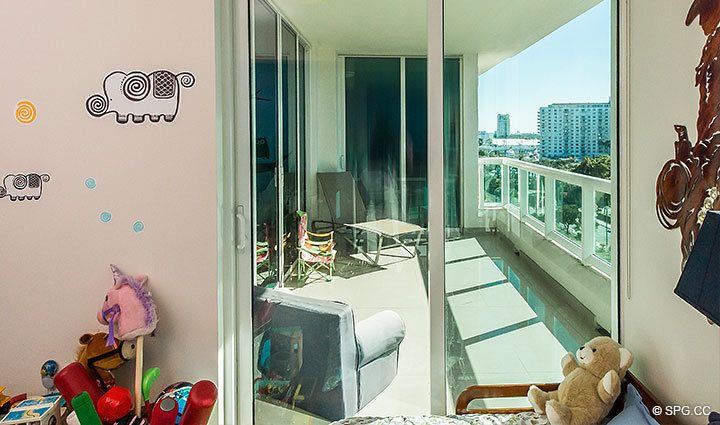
(574, 129)
(503, 126)
(511, 147)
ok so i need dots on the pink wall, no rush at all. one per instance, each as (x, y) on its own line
(54, 252)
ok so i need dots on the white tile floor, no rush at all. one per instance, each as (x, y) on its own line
(488, 309)
(525, 353)
(463, 249)
(471, 273)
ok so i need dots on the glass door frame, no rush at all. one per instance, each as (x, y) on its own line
(236, 207)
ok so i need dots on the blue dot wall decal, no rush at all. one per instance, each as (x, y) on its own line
(105, 216)
(138, 226)
(90, 183)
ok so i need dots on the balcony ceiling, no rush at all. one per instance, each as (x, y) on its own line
(495, 29)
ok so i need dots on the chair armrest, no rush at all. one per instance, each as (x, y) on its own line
(378, 335)
(496, 391)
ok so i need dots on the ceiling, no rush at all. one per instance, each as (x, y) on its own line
(495, 29)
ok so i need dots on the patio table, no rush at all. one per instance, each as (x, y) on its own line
(391, 229)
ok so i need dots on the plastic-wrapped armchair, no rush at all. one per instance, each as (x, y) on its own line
(323, 361)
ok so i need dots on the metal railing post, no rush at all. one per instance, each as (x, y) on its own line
(505, 184)
(481, 186)
(588, 223)
(549, 206)
(523, 192)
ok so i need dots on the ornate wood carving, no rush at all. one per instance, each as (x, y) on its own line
(688, 184)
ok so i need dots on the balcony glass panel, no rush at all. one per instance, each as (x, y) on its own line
(513, 186)
(568, 211)
(493, 183)
(603, 226)
(536, 196)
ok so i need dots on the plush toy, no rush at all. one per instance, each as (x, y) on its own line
(100, 359)
(591, 384)
(128, 309)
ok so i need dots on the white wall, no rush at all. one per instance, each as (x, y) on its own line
(54, 252)
(677, 352)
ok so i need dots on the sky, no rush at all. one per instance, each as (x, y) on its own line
(572, 64)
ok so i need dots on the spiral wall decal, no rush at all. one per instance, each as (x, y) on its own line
(186, 79)
(25, 112)
(136, 86)
(97, 105)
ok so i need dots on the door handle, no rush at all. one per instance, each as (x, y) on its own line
(240, 223)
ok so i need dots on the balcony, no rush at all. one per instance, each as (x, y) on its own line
(570, 209)
(561, 220)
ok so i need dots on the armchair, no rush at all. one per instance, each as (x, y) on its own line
(332, 366)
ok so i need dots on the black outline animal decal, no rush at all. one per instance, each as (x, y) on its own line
(137, 95)
(20, 187)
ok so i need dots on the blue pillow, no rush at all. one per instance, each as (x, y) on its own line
(634, 412)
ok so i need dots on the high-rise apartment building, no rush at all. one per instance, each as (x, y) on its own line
(574, 129)
(503, 126)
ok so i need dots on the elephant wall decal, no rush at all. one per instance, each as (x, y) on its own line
(21, 187)
(137, 95)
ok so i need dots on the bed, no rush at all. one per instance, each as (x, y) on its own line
(464, 415)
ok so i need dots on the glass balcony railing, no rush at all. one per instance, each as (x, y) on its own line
(573, 210)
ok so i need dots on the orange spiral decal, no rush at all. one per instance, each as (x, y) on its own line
(25, 112)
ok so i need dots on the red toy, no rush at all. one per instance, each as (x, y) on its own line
(73, 379)
(200, 403)
(165, 412)
(114, 404)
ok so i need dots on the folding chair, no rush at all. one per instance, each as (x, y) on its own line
(316, 251)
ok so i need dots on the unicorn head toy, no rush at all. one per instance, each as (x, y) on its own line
(128, 309)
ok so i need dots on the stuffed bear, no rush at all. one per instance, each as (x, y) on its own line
(591, 384)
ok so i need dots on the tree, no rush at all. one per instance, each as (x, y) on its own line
(569, 215)
(598, 166)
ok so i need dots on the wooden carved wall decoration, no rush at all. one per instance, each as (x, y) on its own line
(688, 185)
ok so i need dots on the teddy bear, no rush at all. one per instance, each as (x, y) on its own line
(591, 384)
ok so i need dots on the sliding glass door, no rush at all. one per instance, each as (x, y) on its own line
(529, 275)
(340, 304)
(386, 135)
(266, 135)
(430, 212)
(278, 80)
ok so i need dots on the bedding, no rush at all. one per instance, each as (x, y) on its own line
(527, 418)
